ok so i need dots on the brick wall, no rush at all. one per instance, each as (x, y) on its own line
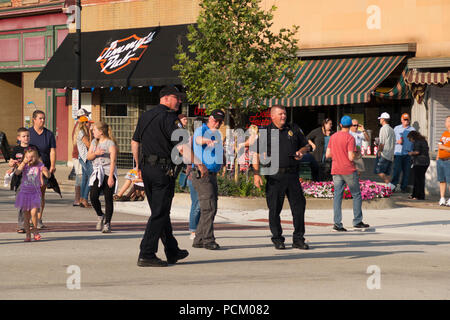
(109, 15)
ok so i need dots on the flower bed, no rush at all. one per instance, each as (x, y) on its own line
(369, 190)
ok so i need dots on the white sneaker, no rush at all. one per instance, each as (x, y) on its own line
(100, 222)
(192, 236)
(106, 228)
(391, 186)
(442, 202)
(448, 203)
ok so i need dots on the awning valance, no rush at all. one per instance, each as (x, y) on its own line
(336, 81)
(418, 77)
(117, 58)
(399, 91)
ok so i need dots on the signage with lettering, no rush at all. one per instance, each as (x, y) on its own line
(260, 118)
(123, 52)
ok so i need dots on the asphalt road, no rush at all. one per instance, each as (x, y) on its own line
(401, 259)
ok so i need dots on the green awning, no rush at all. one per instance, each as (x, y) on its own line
(400, 91)
(336, 81)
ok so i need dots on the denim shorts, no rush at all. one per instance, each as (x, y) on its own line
(443, 170)
(382, 165)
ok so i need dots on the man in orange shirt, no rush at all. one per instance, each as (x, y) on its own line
(443, 163)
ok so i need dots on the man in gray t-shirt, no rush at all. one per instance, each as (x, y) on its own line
(385, 154)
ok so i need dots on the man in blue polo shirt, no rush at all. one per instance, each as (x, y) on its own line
(402, 161)
(208, 148)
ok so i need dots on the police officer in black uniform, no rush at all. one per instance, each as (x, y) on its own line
(152, 147)
(292, 145)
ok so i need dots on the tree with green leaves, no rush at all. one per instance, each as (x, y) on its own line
(234, 59)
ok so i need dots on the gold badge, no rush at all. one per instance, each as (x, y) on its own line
(290, 133)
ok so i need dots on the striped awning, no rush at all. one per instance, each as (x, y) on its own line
(400, 91)
(418, 77)
(336, 81)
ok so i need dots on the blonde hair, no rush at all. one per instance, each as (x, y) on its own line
(32, 150)
(106, 131)
(82, 126)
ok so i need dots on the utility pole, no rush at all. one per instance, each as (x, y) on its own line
(77, 48)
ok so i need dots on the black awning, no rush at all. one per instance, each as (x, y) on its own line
(117, 58)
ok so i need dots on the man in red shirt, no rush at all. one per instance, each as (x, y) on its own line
(341, 149)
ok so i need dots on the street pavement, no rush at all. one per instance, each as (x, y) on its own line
(405, 254)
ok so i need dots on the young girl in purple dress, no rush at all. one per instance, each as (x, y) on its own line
(28, 199)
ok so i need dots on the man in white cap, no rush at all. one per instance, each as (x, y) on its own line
(385, 154)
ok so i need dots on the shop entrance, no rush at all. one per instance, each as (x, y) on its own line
(10, 104)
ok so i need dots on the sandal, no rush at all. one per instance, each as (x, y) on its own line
(37, 237)
(87, 205)
(117, 198)
(28, 239)
(20, 230)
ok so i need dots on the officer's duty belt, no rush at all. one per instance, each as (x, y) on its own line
(156, 160)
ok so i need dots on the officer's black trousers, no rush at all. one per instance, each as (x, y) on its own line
(159, 189)
(278, 186)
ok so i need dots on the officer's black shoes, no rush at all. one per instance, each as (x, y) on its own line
(181, 254)
(151, 262)
(211, 246)
(339, 229)
(361, 225)
(197, 245)
(279, 245)
(300, 245)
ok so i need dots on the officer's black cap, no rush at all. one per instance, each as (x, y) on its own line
(170, 90)
(218, 114)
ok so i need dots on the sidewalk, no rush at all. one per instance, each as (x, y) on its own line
(409, 245)
(397, 214)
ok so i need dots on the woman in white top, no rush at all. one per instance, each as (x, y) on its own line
(84, 138)
(103, 154)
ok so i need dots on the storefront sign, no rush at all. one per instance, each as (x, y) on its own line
(75, 102)
(195, 111)
(122, 52)
(261, 118)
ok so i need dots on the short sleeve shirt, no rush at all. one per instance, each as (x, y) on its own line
(387, 138)
(359, 137)
(211, 157)
(19, 152)
(154, 131)
(82, 149)
(341, 143)
(105, 159)
(445, 139)
(291, 139)
(44, 142)
(406, 146)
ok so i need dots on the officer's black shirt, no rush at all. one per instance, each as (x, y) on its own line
(291, 139)
(154, 130)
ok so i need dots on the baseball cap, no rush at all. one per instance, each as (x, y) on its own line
(384, 115)
(218, 114)
(83, 112)
(83, 119)
(405, 116)
(169, 90)
(346, 121)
